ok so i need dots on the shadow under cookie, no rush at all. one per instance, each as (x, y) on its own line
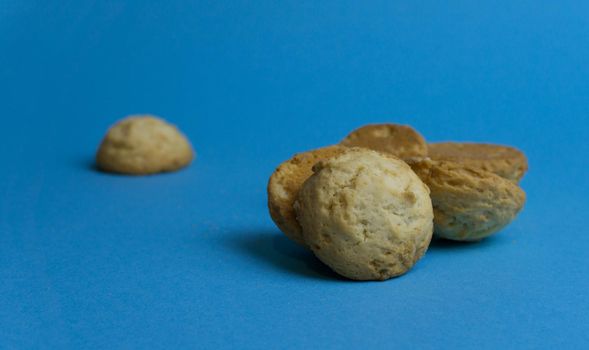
(442, 244)
(278, 252)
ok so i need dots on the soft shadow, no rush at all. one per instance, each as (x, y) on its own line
(278, 251)
(89, 164)
(86, 163)
(446, 244)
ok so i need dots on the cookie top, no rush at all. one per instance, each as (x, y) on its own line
(284, 185)
(365, 214)
(469, 203)
(399, 140)
(505, 161)
(143, 144)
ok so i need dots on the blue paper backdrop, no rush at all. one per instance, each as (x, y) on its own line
(192, 259)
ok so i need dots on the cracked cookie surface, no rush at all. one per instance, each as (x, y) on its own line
(285, 183)
(469, 204)
(505, 161)
(365, 214)
(399, 140)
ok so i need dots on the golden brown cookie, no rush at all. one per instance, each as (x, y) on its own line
(284, 185)
(143, 144)
(505, 161)
(399, 140)
(469, 204)
(365, 214)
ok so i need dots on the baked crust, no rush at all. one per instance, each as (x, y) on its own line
(365, 214)
(469, 203)
(143, 144)
(399, 140)
(285, 183)
(505, 161)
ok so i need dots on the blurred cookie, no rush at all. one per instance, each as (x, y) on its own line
(469, 203)
(143, 144)
(284, 185)
(399, 140)
(505, 161)
(365, 214)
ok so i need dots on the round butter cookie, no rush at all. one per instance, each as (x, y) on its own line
(399, 140)
(469, 204)
(143, 144)
(505, 161)
(284, 185)
(365, 214)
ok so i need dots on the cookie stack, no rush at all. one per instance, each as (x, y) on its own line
(368, 207)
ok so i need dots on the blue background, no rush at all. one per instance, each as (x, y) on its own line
(192, 259)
